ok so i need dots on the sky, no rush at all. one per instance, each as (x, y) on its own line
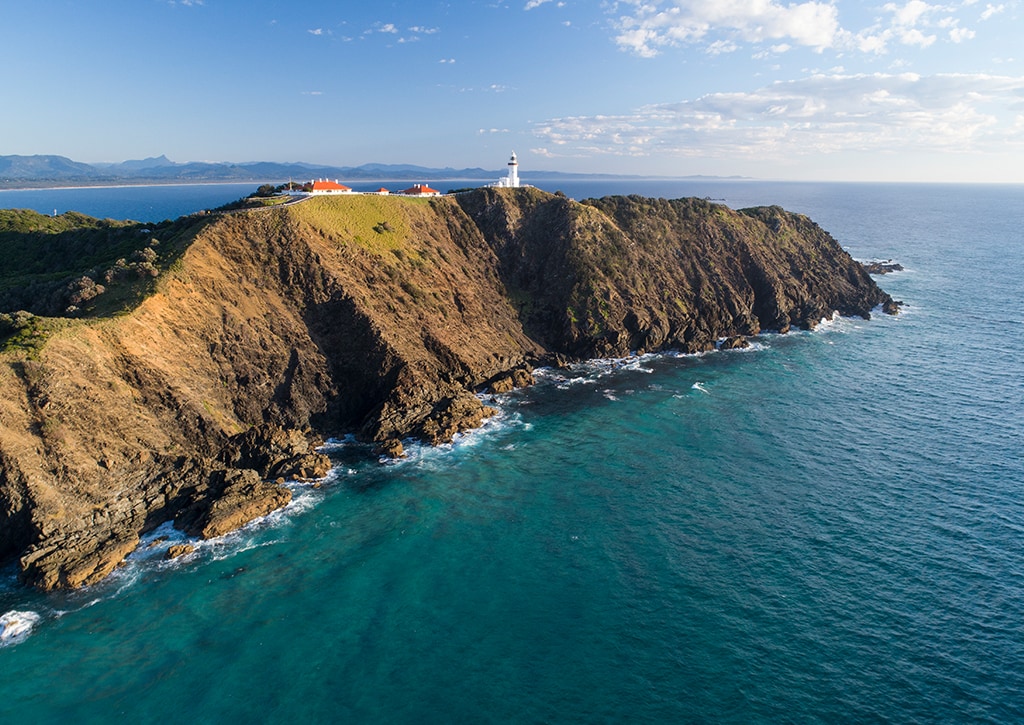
(818, 90)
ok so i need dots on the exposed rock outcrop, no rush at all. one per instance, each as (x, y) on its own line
(736, 342)
(178, 550)
(232, 498)
(374, 315)
(886, 267)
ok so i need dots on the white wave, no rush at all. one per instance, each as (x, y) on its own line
(418, 453)
(16, 626)
(752, 346)
(232, 544)
(826, 322)
(590, 372)
(699, 387)
(566, 383)
(636, 364)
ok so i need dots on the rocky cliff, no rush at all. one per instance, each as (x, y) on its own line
(263, 331)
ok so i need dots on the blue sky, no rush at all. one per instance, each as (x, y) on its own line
(896, 91)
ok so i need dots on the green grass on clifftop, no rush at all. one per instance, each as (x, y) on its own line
(378, 224)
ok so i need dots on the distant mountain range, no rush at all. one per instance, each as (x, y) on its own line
(48, 171)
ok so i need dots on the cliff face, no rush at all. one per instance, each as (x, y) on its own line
(370, 314)
(622, 274)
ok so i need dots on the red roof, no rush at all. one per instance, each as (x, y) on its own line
(324, 185)
(420, 189)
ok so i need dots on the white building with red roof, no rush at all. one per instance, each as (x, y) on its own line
(326, 186)
(421, 190)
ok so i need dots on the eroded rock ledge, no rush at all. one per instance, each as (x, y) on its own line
(383, 316)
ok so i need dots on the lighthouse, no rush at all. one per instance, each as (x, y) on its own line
(512, 180)
(513, 171)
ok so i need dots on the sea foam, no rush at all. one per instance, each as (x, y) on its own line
(16, 626)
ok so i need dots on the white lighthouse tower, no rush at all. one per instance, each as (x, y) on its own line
(513, 171)
(512, 180)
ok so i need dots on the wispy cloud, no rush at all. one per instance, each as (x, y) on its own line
(991, 10)
(493, 88)
(820, 114)
(315, 31)
(531, 4)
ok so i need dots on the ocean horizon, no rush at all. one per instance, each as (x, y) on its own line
(157, 202)
(827, 526)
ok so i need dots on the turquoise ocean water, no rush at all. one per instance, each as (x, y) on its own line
(827, 527)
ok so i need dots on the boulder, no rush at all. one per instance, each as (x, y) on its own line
(179, 550)
(882, 267)
(520, 377)
(275, 452)
(391, 448)
(233, 498)
(736, 342)
(76, 562)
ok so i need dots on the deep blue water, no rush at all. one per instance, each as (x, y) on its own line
(828, 527)
(141, 203)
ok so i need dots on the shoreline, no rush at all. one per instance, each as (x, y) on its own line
(145, 185)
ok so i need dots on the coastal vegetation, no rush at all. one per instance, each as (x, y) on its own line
(222, 347)
(73, 265)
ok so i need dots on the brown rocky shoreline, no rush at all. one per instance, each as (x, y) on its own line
(275, 329)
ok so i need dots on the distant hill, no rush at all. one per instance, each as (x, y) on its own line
(46, 171)
(24, 171)
(55, 168)
(153, 162)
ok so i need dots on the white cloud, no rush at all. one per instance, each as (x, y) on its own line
(385, 28)
(423, 30)
(657, 24)
(820, 114)
(650, 27)
(531, 4)
(447, 60)
(722, 46)
(959, 35)
(315, 31)
(910, 14)
(913, 36)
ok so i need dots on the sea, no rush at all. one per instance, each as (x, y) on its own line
(826, 527)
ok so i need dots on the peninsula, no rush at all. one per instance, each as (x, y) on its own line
(183, 371)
